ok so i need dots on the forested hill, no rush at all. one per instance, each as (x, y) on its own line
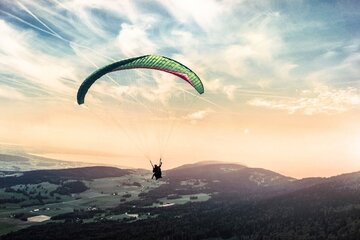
(59, 175)
(238, 203)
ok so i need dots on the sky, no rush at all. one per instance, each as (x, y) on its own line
(281, 82)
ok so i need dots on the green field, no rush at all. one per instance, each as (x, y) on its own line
(102, 193)
(181, 199)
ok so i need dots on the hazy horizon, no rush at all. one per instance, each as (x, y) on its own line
(104, 160)
(281, 83)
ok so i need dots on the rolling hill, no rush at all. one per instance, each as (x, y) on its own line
(238, 202)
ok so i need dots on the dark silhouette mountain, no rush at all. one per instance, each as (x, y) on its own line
(204, 163)
(347, 180)
(228, 173)
(223, 179)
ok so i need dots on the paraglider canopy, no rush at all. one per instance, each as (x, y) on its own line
(155, 62)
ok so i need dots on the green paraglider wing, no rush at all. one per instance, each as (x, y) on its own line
(148, 61)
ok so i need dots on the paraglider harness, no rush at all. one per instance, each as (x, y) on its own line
(156, 170)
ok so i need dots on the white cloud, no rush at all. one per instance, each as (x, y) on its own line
(240, 41)
(23, 55)
(251, 41)
(346, 69)
(203, 12)
(198, 115)
(219, 87)
(229, 91)
(10, 93)
(134, 41)
(321, 99)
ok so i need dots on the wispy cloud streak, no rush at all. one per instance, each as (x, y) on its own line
(320, 100)
(240, 49)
